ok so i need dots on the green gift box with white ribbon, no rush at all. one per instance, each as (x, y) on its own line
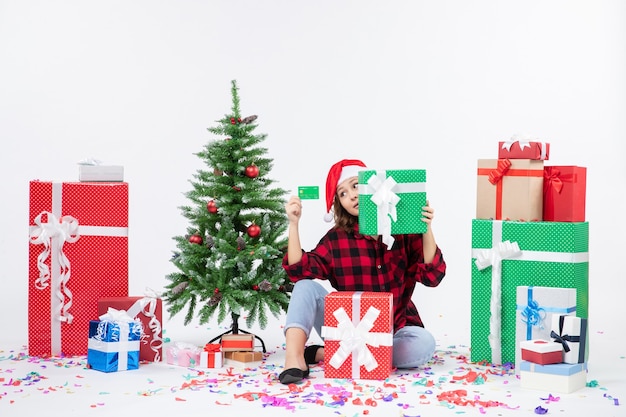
(508, 254)
(391, 201)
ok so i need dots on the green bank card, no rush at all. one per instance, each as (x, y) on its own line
(311, 192)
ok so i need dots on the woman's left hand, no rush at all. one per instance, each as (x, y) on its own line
(428, 214)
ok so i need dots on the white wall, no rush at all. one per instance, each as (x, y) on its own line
(402, 84)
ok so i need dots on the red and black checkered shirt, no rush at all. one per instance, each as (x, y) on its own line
(354, 262)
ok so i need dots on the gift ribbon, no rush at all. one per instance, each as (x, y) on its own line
(354, 337)
(386, 201)
(212, 347)
(565, 338)
(502, 167)
(534, 315)
(552, 179)
(493, 257)
(139, 307)
(52, 235)
(384, 193)
(495, 177)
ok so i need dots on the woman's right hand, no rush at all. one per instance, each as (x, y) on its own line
(293, 209)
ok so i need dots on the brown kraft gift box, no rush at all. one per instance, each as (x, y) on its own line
(509, 189)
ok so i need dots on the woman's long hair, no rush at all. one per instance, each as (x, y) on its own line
(343, 219)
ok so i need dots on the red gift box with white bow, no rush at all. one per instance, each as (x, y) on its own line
(523, 149)
(78, 253)
(147, 309)
(358, 335)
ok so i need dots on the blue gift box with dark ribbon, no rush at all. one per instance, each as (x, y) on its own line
(114, 342)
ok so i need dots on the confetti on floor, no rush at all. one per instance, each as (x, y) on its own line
(449, 383)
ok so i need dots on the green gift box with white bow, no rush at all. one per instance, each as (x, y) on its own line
(508, 254)
(391, 201)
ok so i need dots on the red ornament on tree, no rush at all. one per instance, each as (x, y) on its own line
(254, 230)
(211, 206)
(252, 171)
(195, 239)
(255, 287)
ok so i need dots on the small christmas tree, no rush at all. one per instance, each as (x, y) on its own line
(230, 259)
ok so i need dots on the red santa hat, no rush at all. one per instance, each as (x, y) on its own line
(338, 173)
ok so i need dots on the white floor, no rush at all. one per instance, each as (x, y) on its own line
(65, 387)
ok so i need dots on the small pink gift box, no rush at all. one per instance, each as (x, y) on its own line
(542, 352)
(183, 354)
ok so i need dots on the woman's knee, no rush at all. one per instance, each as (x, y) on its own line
(412, 347)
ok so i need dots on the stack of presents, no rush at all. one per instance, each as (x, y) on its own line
(234, 350)
(530, 267)
(78, 300)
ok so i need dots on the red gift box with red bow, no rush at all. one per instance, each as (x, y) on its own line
(564, 193)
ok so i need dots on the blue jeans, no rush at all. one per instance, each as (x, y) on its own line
(413, 346)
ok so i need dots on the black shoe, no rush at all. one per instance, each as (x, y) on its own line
(310, 352)
(293, 375)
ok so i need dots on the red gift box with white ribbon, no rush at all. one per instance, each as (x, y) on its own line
(78, 253)
(358, 335)
(523, 148)
(149, 310)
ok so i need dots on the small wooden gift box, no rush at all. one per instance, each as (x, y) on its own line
(245, 359)
(237, 342)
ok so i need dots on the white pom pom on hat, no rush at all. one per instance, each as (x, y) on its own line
(338, 173)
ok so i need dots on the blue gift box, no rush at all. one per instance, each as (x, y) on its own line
(113, 345)
(559, 377)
